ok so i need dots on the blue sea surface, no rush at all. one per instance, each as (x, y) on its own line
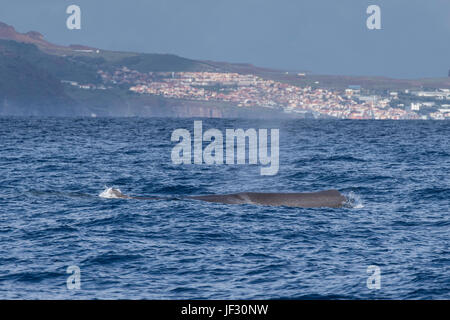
(52, 171)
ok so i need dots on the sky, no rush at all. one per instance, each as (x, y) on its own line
(318, 36)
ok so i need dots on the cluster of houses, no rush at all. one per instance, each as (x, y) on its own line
(246, 90)
(88, 86)
(251, 91)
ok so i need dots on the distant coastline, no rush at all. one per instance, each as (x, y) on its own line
(43, 79)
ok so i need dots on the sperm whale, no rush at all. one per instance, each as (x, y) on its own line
(327, 198)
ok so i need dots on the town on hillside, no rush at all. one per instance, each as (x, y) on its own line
(247, 91)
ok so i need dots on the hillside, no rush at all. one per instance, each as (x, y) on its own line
(41, 78)
(25, 87)
(32, 71)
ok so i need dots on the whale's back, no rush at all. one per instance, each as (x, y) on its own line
(328, 198)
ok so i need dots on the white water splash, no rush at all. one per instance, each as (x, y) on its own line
(354, 201)
(109, 193)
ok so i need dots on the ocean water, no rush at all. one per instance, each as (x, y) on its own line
(51, 216)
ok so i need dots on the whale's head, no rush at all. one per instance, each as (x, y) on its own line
(112, 193)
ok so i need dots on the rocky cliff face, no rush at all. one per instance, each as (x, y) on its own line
(8, 32)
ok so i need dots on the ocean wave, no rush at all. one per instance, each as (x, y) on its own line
(353, 201)
(51, 193)
(191, 249)
(343, 158)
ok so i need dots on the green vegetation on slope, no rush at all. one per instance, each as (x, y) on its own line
(160, 63)
(31, 78)
(59, 67)
(22, 81)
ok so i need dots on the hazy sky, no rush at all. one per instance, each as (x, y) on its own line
(321, 36)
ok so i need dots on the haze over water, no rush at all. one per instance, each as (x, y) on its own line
(52, 171)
